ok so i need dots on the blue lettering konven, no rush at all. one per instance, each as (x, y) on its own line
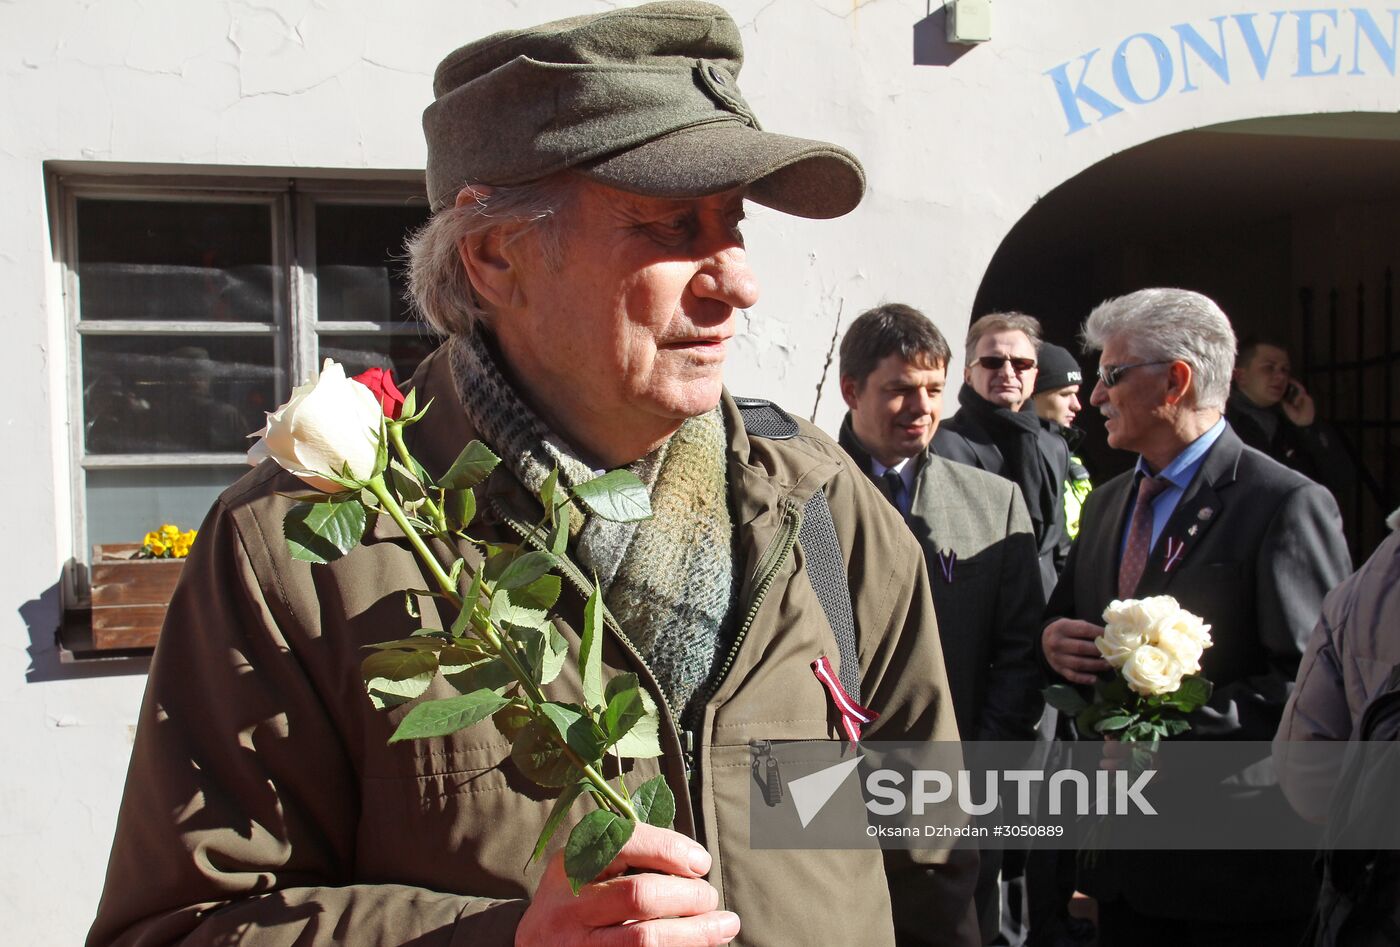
(1147, 66)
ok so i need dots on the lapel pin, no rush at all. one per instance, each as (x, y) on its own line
(945, 564)
(1192, 530)
(1175, 547)
(1205, 514)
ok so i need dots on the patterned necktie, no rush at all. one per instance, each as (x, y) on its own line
(1139, 536)
(894, 489)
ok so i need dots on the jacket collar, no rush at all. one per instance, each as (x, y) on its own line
(763, 472)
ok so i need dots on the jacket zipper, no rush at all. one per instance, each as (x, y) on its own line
(768, 565)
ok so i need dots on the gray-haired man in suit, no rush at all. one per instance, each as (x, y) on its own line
(1237, 538)
(973, 526)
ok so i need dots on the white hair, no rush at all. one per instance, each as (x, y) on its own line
(438, 285)
(1171, 325)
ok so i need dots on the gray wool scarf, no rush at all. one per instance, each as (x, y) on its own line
(669, 581)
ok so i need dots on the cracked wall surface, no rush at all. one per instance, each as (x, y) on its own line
(954, 155)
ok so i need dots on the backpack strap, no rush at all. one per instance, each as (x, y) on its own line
(826, 569)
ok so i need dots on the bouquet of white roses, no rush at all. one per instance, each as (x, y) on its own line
(344, 438)
(1154, 646)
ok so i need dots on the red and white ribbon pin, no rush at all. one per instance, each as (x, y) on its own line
(1175, 547)
(852, 713)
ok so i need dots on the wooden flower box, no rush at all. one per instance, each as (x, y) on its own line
(129, 596)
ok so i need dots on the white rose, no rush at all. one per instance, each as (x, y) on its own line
(1149, 670)
(1118, 641)
(1140, 613)
(1180, 647)
(324, 427)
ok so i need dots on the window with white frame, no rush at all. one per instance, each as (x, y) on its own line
(195, 306)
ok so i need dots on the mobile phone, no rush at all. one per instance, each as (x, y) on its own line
(1291, 391)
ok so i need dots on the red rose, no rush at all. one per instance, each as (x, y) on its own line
(381, 383)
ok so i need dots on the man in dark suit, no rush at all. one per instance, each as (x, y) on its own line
(1237, 538)
(973, 526)
(992, 431)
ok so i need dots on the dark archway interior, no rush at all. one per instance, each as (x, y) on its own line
(1291, 224)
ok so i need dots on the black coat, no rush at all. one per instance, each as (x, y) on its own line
(1263, 546)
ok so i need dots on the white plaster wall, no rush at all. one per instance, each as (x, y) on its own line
(955, 156)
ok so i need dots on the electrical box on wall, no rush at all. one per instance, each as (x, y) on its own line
(969, 21)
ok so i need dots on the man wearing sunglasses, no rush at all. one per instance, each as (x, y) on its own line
(991, 431)
(1237, 538)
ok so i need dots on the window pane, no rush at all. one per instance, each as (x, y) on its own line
(175, 393)
(162, 260)
(402, 353)
(124, 505)
(360, 261)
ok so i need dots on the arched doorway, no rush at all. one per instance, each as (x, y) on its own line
(1292, 224)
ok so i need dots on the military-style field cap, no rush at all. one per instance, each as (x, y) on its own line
(643, 99)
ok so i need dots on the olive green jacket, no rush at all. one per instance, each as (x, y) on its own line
(265, 805)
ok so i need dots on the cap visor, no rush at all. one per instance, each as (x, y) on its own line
(794, 175)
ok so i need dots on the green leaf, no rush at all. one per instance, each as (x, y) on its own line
(399, 665)
(643, 740)
(539, 757)
(1174, 726)
(593, 844)
(578, 729)
(540, 594)
(655, 803)
(1065, 697)
(469, 601)
(510, 720)
(492, 674)
(410, 604)
(547, 494)
(556, 816)
(498, 559)
(456, 571)
(546, 651)
(323, 532)
(404, 416)
(438, 718)
(504, 611)
(473, 465)
(617, 495)
(311, 496)
(1193, 694)
(590, 652)
(404, 483)
(461, 507)
(625, 706)
(424, 639)
(1115, 722)
(381, 454)
(409, 406)
(453, 660)
(524, 570)
(394, 677)
(559, 535)
(1113, 691)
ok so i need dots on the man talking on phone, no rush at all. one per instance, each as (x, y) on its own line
(1273, 413)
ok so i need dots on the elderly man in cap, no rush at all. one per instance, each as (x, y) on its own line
(584, 259)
